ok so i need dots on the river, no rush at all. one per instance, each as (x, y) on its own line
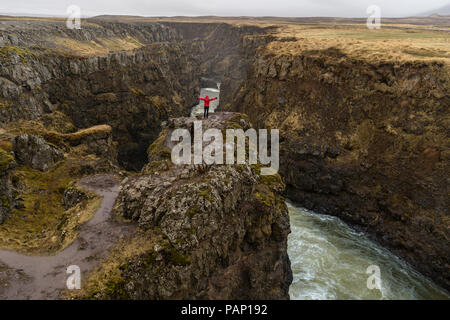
(329, 259)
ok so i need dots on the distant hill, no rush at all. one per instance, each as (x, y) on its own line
(443, 11)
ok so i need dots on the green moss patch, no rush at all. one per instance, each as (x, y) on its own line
(176, 258)
(5, 160)
(43, 226)
(264, 195)
(7, 52)
(4, 202)
(157, 150)
(205, 192)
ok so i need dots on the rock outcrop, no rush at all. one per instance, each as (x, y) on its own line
(96, 140)
(73, 195)
(212, 232)
(35, 152)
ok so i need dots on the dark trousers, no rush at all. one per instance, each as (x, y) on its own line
(206, 112)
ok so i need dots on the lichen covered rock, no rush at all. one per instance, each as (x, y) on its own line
(97, 140)
(73, 195)
(213, 232)
(36, 152)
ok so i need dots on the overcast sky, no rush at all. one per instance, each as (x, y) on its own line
(290, 8)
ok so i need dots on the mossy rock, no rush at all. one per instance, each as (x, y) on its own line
(5, 160)
(150, 258)
(176, 258)
(157, 150)
(238, 117)
(205, 192)
(5, 105)
(114, 289)
(4, 201)
(192, 211)
(234, 125)
(264, 195)
(274, 179)
(23, 53)
(57, 121)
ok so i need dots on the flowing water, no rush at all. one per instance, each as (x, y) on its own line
(329, 259)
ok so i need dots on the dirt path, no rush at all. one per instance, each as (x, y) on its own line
(43, 277)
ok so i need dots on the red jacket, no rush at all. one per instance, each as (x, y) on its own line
(207, 100)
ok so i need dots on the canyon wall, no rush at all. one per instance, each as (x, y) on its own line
(131, 76)
(133, 91)
(70, 101)
(363, 140)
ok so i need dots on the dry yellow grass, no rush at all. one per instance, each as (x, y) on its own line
(44, 226)
(98, 47)
(103, 128)
(393, 42)
(362, 43)
(107, 278)
(60, 139)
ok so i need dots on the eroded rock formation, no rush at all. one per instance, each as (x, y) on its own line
(211, 232)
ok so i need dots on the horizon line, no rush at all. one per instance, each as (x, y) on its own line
(32, 15)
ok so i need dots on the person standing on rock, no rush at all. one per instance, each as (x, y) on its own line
(207, 100)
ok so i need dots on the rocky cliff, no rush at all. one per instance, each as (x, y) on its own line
(133, 92)
(131, 76)
(363, 139)
(205, 232)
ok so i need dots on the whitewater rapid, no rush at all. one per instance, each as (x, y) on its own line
(329, 261)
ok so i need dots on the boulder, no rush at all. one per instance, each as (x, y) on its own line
(36, 152)
(73, 195)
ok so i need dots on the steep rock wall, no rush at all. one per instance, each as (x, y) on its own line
(365, 141)
(133, 90)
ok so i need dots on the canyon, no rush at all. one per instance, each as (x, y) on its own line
(363, 136)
